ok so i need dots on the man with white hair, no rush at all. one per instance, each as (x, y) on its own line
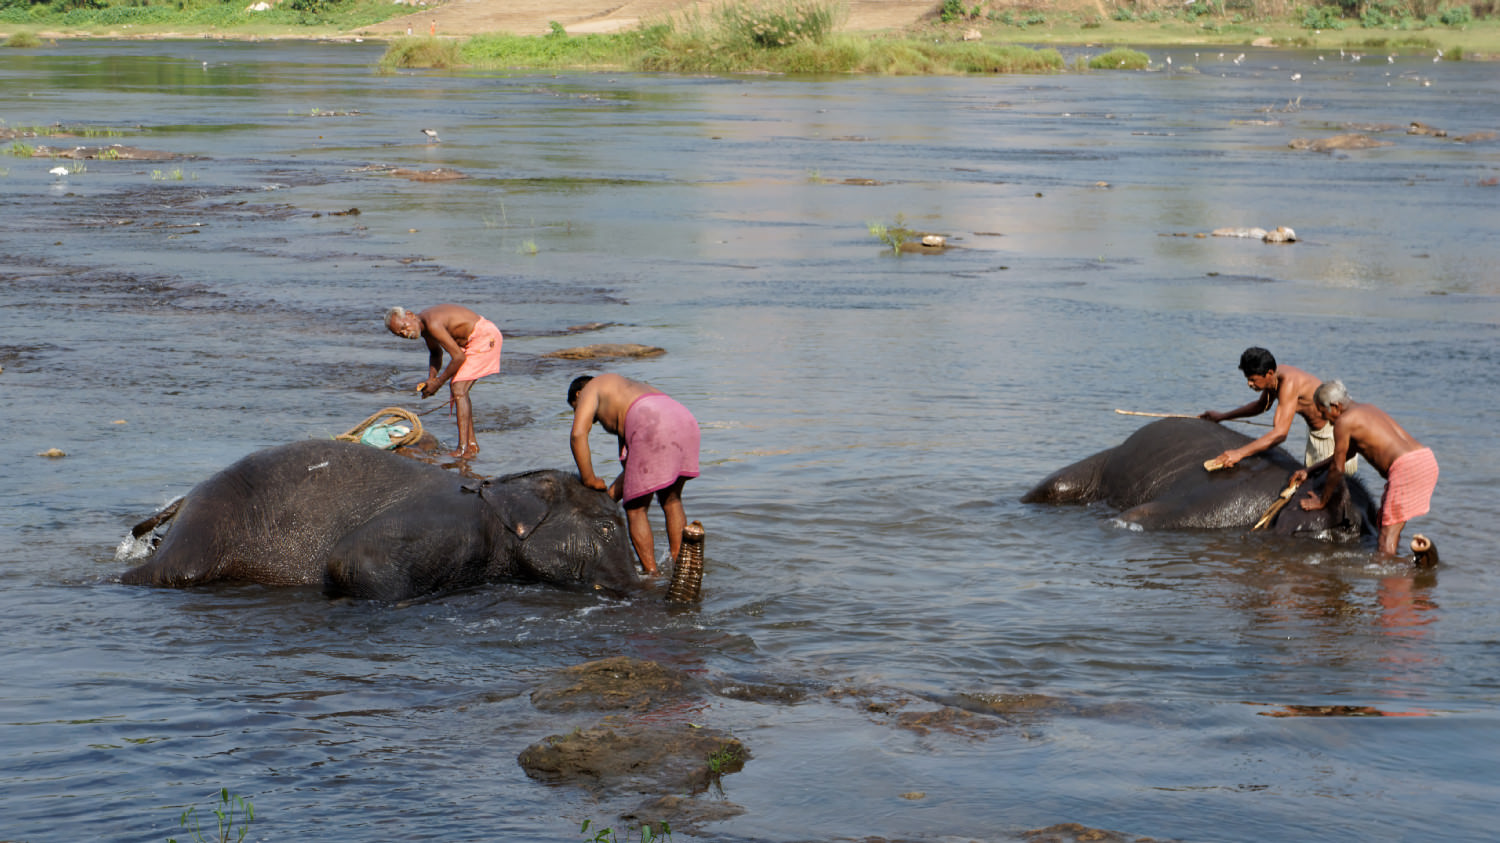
(1410, 469)
(473, 346)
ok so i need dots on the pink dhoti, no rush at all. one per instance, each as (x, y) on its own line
(481, 352)
(1408, 487)
(658, 445)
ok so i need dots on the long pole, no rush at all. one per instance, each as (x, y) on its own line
(1183, 416)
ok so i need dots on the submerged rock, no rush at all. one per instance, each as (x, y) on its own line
(613, 684)
(439, 174)
(1329, 144)
(637, 756)
(606, 351)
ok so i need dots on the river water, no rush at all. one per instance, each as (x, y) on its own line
(869, 423)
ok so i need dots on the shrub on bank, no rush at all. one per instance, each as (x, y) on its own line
(1120, 58)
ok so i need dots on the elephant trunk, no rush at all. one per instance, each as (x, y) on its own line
(1424, 552)
(687, 573)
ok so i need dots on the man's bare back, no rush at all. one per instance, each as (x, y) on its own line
(605, 400)
(452, 321)
(1374, 435)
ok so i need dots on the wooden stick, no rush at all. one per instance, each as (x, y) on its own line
(1286, 496)
(1185, 416)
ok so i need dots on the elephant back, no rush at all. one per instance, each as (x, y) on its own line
(273, 516)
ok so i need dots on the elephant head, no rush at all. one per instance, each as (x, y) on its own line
(560, 531)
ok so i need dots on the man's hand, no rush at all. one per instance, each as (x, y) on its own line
(1312, 502)
(1212, 416)
(596, 483)
(426, 390)
(1228, 459)
(1297, 477)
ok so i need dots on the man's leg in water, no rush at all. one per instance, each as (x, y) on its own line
(638, 519)
(670, 499)
(467, 445)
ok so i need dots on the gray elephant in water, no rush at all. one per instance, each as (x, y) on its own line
(363, 522)
(1157, 480)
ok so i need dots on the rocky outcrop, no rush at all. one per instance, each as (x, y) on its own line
(607, 351)
(1353, 140)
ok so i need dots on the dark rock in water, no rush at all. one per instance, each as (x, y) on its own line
(606, 351)
(613, 684)
(1076, 833)
(636, 756)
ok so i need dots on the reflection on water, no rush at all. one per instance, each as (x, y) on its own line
(870, 421)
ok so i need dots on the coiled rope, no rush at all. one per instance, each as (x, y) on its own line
(387, 416)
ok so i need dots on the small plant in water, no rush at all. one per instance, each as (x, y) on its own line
(645, 834)
(892, 235)
(235, 813)
(527, 247)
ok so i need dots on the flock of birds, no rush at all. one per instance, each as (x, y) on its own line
(1297, 77)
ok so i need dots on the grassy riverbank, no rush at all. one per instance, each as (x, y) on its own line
(798, 36)
(790, 36)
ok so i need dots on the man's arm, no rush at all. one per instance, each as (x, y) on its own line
(1254, 408)
(1281, 425)
(1335, 479)
(583, 422)
(438, 341)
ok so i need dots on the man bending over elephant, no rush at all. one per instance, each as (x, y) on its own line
(473, 346)
(658, 450)
(1410, 470)
(1291, 390)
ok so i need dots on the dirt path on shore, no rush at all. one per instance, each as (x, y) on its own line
(534, 17)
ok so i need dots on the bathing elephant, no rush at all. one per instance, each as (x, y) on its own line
(363, 522)
(1157, 480)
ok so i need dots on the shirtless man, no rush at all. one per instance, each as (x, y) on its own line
(658, 450)
(473, 346)
(1291, 390)
(1410, 470)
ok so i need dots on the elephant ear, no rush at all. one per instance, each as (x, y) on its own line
(520, 507)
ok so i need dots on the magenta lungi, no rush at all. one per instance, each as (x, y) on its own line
(1408, 487)
(658, 445)
(481, 352)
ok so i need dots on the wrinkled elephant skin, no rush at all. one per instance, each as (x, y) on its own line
(1156, 480)
(362, 522)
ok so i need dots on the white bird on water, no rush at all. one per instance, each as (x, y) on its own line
(431, 135)
(60, 172)
(1296, 77)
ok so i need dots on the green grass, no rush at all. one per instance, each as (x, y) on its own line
(790, 36)
(894, 236)
(145, 17)
(234, 815)
(1120, 58)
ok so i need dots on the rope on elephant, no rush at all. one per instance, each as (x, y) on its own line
(388, 417)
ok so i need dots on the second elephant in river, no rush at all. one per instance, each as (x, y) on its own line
(363, 522)
(1157, 480)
